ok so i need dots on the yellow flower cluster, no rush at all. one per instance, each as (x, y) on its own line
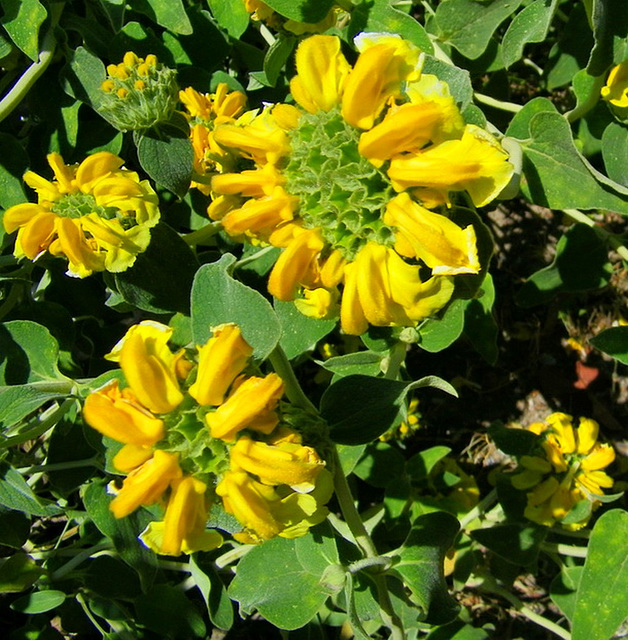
(138, 93)
(346, 182)
(180, 438)
(205, 111)
(566, 473)
(96, 214)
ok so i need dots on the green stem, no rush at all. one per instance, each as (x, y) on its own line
(511, 107)
(395, 359)
(60, 466)
(201, 235)
(586, 106)
(284, 370)
(252, 258)
(232, 555)
(564, 549)
(39, 428)
(79, 558)
(479, 509)
(529, 614)
(382, 563)
(30, 76)
(81, 600)
(614, 241)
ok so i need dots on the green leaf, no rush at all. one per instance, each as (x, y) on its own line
(458, 630)
(438, 333)
(83, 75)
(563, 590)
(17, 401)
(420, 465)
(514, 442)
(123, 532)
(581, 264)
(231, 16)
(15, 528)
(276, 57)
(600, 611)
(14, 164)
(109, 577)
(529, 25)
(352, 613)
(420, 564)
(213, 590)
(16, 494)
(610, 30)
(381, 465)
(18, 572)
(167, 157)
(360, 408)
(38, 602)
(22, 20)
(367, 363)
(615, 152)
(311, 11)
(298, 332)
(29, 354)
(479, 324)
(614, 342)
(468, 25)
(217, 298)
(458, 79)
(281, 578)
(382, 16)
(171, 15)
(161, 278)
(168, 611)
(515, 543)
(557, 176)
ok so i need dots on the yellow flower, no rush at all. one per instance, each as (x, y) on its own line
(616, 89)
(250, 406)
(565, 471)
(119, 415)
(149, 366)
(204, 111)
(270, 480)
(344, 182)
(183, 528)
(261, 12)
(146, 484)
(221, 360)
(96, 214)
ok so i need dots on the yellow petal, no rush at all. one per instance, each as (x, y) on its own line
(94, 168)
(84, 258)
(616, 89)
(477, 163)
(260, 215)
(561, 425)
(377, 76)
(599, 458)
(321, 73)
(221, 360)
(352, 318)
(587, 434)
(20, 214)
(146, 484)
(284, 463)
(63, 174)
(439, 242)
(131, 456)
(254, 397)
(318, 303)
(36, 235)
(296, 266)
(250, 183)
(150, 367)
(121, 418)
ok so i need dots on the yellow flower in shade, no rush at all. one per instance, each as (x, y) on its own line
(221, 360)
(96, 214)
(250, 406)
(615, 90)
(149, 366)
(204, 111)
(566, 471)
(345, 183)
(261, 12)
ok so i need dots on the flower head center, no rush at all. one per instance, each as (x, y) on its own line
(79, 205)
(340, 192)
